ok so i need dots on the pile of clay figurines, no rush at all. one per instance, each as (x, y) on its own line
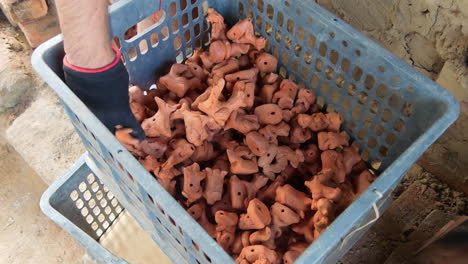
(248, 154)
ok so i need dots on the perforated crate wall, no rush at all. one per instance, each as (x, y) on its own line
(392, 112)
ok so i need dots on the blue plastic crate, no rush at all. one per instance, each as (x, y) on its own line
(384, 101)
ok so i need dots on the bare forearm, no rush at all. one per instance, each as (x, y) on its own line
(85, 28)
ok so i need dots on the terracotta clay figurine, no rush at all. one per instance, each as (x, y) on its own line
(198, 212)
(319, 190)
(294, 199)
(332, 165)
(305, 228)
(257, 143)
(159, 125)
(221, 50)
(241, 192)
(244, 75)
(350, 158)
(181, 150)
(272, 132)
(248, 89)
(334, 121)
(320, 121)
(268, 192)
(218, 28)
(205, 152)
(283, 216)
(242, 122)
(305, 98)
(128, 141)
(260, 236)
(213, 185)
(136, 103)
(298, 133)
(228, 66)
(266, 62)
(293, 252)
(242, 160)
(269, 114)
(198, 126)
(169, 185)
(180, 79)
(192, 189)
(226, 228)
(243, 32)
(223, 204)
(151, 164)
(311, 154)
(362, 181)
(257, 216)
(222, 163)
(286, 94)
(332, 140)
(220, 111)
(251, 254)
(323, 215)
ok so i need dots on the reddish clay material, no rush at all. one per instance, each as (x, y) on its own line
(220, 111)
(305, 228)
(294, 251)
(198, 212)
(269, 114)
(192, 189)
(159, 125)
(213, 185)
(332, 140)
(221, 50)
(311, 154)
(245, 75)
(198, 127)
(180, 79)
(225, 109)
(226, 228)
(169, 185)
(266, 62)
(205, 152)
(129, 142)
(268, 193)
(243, 32)
(242, 122)
(218, 28)
(228, 66)
(180, 150)
(283, 216)
(332, 164)
(299, 134)
(319, 190)
(272, 132)
(363, 181)
(242, 192)
(242, 160)
(323, 215)
(151, 164)
(257, 143)
(294, 199)
(257, 216)
(305, 98)
(254, 253)
(260, 236)
(351, 157)
(286, 94)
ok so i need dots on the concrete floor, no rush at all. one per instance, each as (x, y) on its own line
(26, 234)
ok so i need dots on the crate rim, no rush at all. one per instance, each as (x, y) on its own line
(361, 205)
(91, 245)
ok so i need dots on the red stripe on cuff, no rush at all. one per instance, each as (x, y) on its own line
(102, 69)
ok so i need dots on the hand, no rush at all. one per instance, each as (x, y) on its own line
(105, 93)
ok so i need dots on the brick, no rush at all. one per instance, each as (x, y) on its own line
(428, 227)
(39, 30)
(29, 9)
(407, 211)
